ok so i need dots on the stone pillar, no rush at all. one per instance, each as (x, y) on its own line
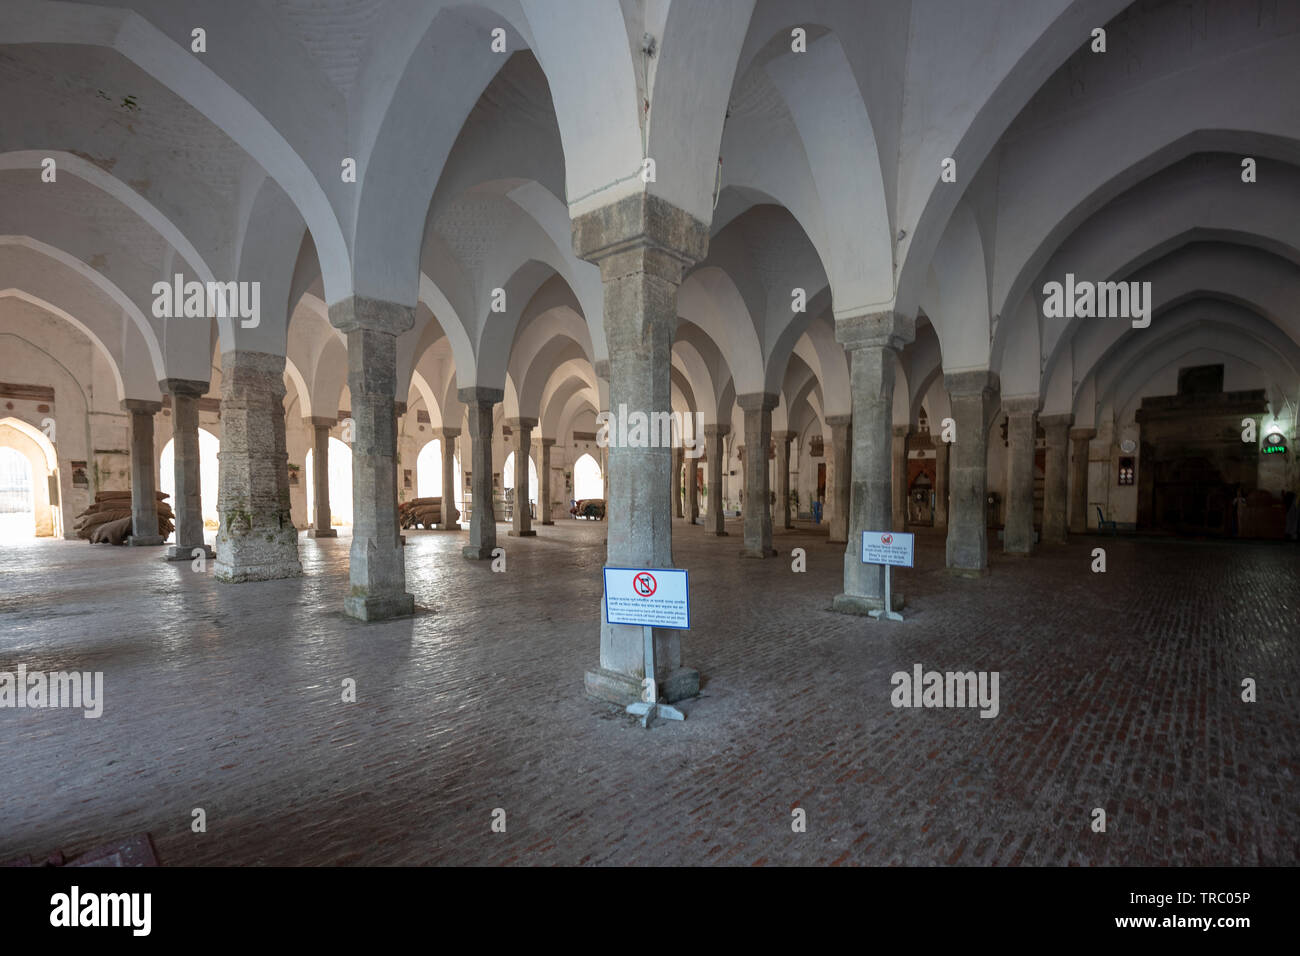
(544, 495)
(714, 434)
(783, 440)
(186, 503)
(642, 245)
(256, 540)
(678, 508)
(521, 525)
(872, 342)
(941, 484)
(898, 458)
(450, 514)
(837, 521)
(1056, 476)
(758, 490)
(693, 485)
(320, 476)
(972, 394)
(144, 501)
(1079, 442)
(377, 565)
(1022, 426)
(483, 516)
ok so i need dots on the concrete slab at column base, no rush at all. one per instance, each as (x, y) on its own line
(257, 572)
(721, 534)
(548, 522)
(476, 554)
(175, 553)
(837, 540)
(968, 572)
(144, 540)
(530, 533)
(379, 607)
(624, 689)
(758, 552)
(323, 533)
(862, 604)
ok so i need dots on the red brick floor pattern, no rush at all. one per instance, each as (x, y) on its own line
(1118, 690)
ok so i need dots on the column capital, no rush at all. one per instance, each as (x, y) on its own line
(447, 432)
(891, 330)
(758, 401)
(971, 382)
(784, 436)
(320, 421)
(244, 367)
(839, 419)
(358, 312)
(1020, 404)
(661, 237)
(184, 387)
(480, 395)
(141, 406)
(522, 424)
(717, 431)
(1056, 421)
(547, 442)
(1083, 434)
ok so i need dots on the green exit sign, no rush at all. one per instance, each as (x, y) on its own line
(1274, 444)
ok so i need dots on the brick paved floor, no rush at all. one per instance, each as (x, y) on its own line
(1119, 690)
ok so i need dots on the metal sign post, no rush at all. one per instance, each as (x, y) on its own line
(650, 598)
(887, 612)
(888, 548)
(649, 708)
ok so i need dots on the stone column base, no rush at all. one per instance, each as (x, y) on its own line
(837, 540)
(861, 603)
(624, 689)
(323, 533)
(483, 553)
(144, 540)
(379, 607)
(257, 572)
(721, 534)
(548, 522)
(758, 552)
(177, 553)
(530, 533)
(968, 572)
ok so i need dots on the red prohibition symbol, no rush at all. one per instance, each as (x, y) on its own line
(644, 584)
(886, 539)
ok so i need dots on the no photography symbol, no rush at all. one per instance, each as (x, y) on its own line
(644, 584)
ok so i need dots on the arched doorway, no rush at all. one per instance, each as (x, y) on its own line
(340, 466)
(26, 509)
(587, 479)
(209, 475)
(17, 503)
(428, 474)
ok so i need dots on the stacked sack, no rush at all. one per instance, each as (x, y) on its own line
(420, 512)
(108, 519)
